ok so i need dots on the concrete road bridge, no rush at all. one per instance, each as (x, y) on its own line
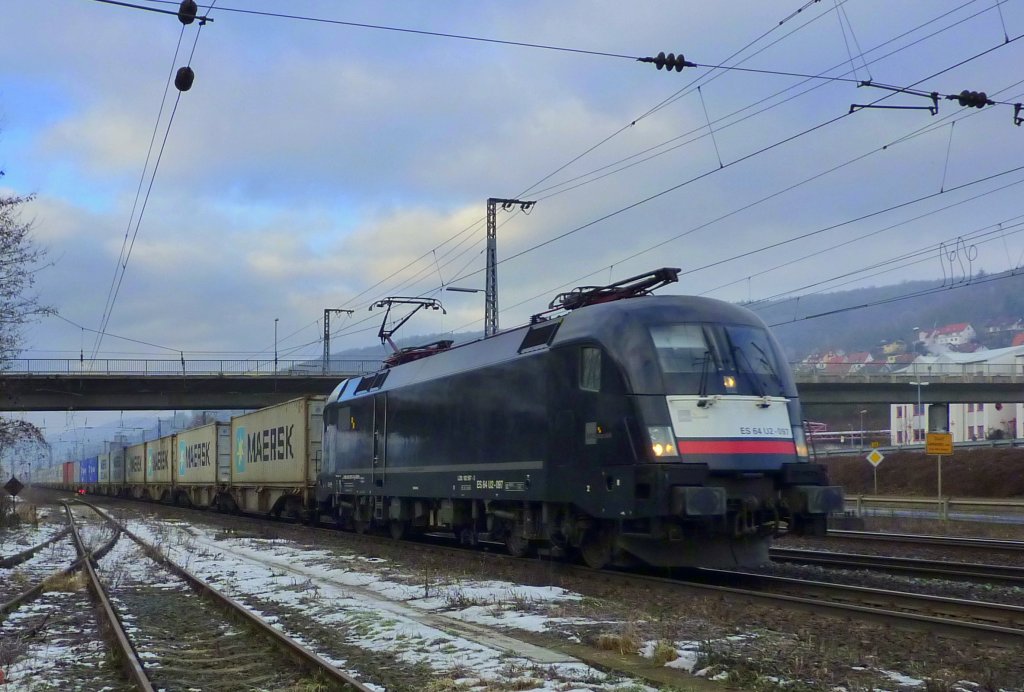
(135, 385)
(129, 384)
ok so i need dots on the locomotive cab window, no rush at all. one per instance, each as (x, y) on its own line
(708, 359)
(590, 369)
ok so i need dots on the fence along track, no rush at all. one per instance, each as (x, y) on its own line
(335, 677)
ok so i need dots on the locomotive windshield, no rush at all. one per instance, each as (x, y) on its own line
(709, 359)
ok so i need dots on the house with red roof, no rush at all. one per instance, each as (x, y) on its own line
(948, 335)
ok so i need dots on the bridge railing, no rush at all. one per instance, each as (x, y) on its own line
(922, 372)
(137, 366)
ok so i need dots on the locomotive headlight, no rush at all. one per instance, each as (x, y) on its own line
(729, 382)
(663, 441)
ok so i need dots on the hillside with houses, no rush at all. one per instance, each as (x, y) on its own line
(868, 320)
(972, 329)
(948, 343)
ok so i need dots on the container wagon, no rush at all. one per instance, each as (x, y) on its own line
(135, 471)
(203, 464)
(275, 458)
(160, 458)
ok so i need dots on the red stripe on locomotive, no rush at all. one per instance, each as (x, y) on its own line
(736, 446)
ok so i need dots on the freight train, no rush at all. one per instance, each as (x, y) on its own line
(619, 427)
(261, 462)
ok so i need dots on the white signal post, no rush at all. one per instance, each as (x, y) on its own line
(920, 409)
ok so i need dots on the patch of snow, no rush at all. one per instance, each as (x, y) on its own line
(902, 679)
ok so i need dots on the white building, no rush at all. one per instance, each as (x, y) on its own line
(948, 335)
(967, 421)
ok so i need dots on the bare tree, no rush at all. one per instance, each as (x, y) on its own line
(20, 258)
(20, 442)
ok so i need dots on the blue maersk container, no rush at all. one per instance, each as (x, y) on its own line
(88, 470)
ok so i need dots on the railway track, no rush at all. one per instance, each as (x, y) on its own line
(989, 544)
(48, 625)
(948, 616)
(941, 614)
(916, 567)
(185, 634)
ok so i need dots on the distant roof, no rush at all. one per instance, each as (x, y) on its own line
(990, 355)
(952, 328)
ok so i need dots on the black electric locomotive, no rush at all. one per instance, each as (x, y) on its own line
(664, 429)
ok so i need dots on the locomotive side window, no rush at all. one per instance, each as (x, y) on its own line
(590, 369)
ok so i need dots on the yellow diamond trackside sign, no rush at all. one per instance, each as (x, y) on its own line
(875, 457)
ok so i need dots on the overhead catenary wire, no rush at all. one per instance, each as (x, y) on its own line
(853, 241)
(126, 253)
(894, 299)
(918, 132)
(138, 192)
(550, 191)
(596, 146)
(985, 234)
(526, 44)
(748, 156)
(805, 6)
(435, 251)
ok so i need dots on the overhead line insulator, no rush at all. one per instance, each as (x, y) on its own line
(184, 78)
(187, 11)
(976, 99)
(669, 62)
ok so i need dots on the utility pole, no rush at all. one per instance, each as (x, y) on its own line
(327, 334)
(491, 282)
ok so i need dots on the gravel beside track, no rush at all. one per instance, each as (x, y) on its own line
(991, 593)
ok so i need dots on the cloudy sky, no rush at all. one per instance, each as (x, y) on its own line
(319, 164)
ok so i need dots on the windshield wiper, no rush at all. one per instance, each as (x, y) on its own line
(766, 362)
(702, 390)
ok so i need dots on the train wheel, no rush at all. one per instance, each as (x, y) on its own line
(359, 526)
(397, 527)
(516, 544)
(596, 548)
